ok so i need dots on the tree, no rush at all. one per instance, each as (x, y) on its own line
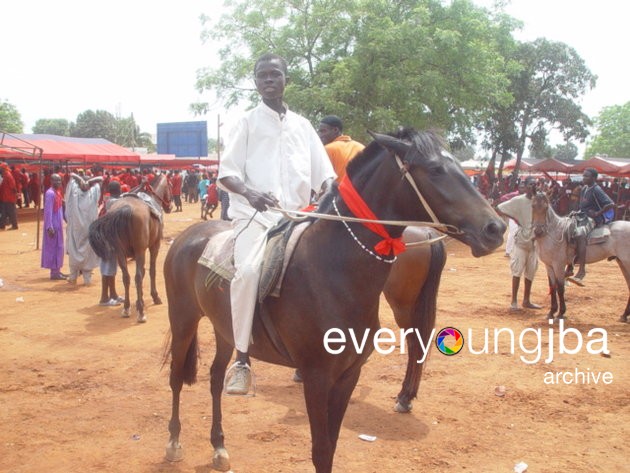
(10, 119)
(376, 63)
(613, 132)
(52, 126)
(551, 76)
(566, 151)
(95, 124)
(128, 134)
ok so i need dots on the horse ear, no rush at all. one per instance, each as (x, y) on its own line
(392, 144)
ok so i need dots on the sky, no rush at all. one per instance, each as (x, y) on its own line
(61, 58)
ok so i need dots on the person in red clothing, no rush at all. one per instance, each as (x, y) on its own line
(176, 191)
(8, 198)
(35, 190)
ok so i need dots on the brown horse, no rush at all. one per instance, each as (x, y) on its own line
(325, 285)
(552, 235)
(133, 224)
(411, 291)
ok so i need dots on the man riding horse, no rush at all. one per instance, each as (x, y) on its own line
(594, 212)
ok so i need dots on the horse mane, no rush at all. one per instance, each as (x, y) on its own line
(427, 143)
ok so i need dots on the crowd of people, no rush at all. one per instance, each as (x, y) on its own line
(275, 157)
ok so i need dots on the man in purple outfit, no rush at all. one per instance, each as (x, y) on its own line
(52, 247)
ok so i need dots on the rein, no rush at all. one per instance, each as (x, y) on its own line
(365, 216)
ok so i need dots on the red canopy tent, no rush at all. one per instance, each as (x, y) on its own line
(602, 165)
(169, 161)
(65, 149)
(551, 165)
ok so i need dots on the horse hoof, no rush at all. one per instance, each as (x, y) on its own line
(142, 318)
(221, 460)
(174, 453)
(624, 319)
(157, 301)
(125, 313)
(403, 408)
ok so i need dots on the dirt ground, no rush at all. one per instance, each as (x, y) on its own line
(82, 389)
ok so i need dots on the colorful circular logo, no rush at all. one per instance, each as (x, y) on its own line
(449, 341)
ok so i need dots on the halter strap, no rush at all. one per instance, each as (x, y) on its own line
(359, 208)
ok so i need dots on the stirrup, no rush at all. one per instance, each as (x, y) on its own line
(252, 388)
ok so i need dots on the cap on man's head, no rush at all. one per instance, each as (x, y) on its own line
(333, 121)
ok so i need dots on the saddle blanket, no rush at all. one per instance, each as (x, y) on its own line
(599, 235)
(218, 256)
(147, 199)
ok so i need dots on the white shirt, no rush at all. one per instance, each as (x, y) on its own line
(269, 154)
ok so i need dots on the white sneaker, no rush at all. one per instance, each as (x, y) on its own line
(238, 379)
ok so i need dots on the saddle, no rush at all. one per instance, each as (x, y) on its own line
(599, 235)
(218, 256)
(596, 236)
(147, 199)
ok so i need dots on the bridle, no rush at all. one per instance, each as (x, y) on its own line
(165, 203)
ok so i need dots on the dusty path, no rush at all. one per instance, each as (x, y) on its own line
(82, 390)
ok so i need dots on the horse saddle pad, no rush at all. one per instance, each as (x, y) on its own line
(147, 199)
(599, 235)
(218, 256)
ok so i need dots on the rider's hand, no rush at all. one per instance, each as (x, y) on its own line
(592, 213)
(260, 200)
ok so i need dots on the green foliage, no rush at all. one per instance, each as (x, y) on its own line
(10, 118)
(52, 126)
(376, 63)
(613, 133)
(551, 76)
(565, 152)
(95, 124)
(102, 124)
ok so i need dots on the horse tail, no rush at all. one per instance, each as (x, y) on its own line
(189, 369)
(108, 233)
(424, 314)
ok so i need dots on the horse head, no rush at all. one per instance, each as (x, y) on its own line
(445, 192)
(161, 191)
(540, 208)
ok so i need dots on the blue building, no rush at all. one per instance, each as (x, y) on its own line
(183, 139)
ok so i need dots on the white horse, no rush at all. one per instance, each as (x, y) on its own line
(552, 232)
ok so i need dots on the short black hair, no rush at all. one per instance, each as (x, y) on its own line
(593, 172)
(333, 120)
(114, 187)
(271, 57)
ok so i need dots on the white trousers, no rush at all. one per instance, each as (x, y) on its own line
(249, 248)
(512, 227)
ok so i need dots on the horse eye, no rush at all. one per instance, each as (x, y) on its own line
(436, 170)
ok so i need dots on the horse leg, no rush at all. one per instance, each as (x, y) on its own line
(338, 401)
(316, 394)
(183, 369)
(122, 262)
(563, 306)
(625, 270)
(220, 457)
(153, 254)
(139, 292)
(326, 403)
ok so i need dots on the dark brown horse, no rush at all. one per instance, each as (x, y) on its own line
(325, 287)
(411, 291)
(133, 224)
